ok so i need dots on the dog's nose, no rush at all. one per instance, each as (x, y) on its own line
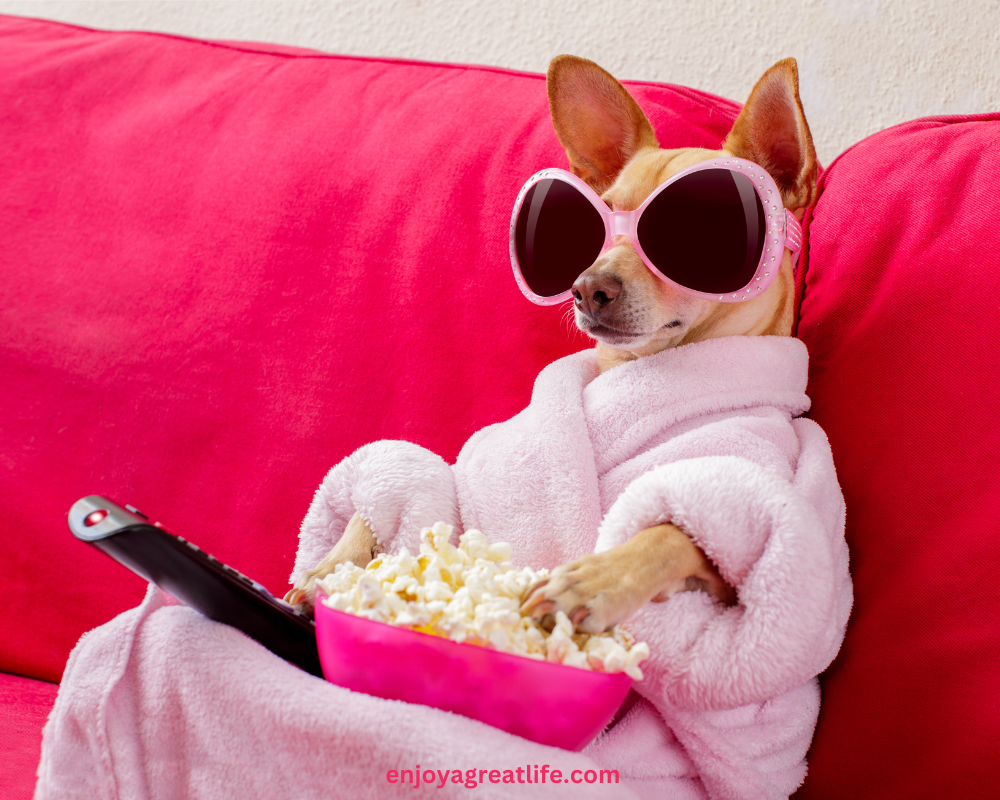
(594, 293)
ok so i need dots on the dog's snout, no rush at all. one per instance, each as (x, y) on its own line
(594, 293)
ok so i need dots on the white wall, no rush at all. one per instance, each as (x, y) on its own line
(863, 64)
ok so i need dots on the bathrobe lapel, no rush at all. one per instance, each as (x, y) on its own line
(631, 407)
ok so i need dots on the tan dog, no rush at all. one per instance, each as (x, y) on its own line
(632, 313)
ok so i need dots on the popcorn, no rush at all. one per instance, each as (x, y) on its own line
(472, 593)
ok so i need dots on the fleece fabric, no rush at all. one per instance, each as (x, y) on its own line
(706, 436)
(164, 703)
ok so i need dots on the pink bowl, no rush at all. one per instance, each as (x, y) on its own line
(547, 703)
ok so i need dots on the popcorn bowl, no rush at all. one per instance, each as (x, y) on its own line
(547, 703)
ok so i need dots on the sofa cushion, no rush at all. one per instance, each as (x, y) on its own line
(899, 301)
(224, 269)
(24, 707)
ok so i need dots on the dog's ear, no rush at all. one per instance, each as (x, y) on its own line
(596, 120)
(772, 131)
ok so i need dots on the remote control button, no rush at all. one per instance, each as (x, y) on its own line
(95, 516)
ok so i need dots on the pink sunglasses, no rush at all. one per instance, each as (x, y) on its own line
(715, 230)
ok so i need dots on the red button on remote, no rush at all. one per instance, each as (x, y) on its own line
(94, 517)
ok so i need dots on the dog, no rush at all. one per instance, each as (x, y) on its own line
(631, 314)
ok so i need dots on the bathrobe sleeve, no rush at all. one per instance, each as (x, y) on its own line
(778, 542)
(398, 488)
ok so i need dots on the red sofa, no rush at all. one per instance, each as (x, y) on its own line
(223, 267)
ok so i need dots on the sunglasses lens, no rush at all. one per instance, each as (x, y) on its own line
(557, 236)
(706, 231)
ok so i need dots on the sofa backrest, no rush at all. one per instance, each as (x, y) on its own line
(900, 309)
(224, 269)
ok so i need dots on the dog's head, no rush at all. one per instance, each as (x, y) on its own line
(611, 145)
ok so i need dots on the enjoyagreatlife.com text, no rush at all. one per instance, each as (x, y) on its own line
(471, 778)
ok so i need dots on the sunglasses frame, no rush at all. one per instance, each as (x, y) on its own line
(782, 228)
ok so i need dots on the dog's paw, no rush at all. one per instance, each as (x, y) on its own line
(588, 591)
(600, 590)
(302, 596)
(357, 545)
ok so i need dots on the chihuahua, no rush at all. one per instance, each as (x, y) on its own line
(631, 313)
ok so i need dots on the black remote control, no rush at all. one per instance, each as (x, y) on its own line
(202, 582)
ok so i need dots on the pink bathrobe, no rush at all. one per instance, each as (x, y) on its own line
(164, 703)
